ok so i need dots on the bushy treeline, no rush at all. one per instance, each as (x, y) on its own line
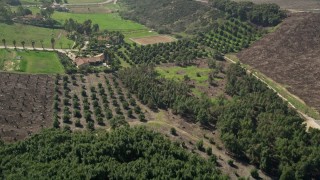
(259, 14)
(69, 66)
(5, 12)
(259, 125)
(125, 153)
(12, 2)
(86, 27)
(158, 92)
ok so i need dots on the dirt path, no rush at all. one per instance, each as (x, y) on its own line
(68, 52)
(309, 121)
(88, 4)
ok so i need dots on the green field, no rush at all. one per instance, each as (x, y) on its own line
(28, 34)
(111, 21)
(30, 2)
(30, 62)
(108, 21)
(199, 75)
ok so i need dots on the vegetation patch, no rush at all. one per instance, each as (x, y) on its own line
(194, 73)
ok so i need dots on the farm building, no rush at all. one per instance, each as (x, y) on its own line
(85, 61)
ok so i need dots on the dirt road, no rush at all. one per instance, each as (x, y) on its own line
(309, 121)
(68, 52)
(88, 4)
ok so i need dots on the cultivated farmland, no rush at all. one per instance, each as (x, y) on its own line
(291, 56)
(25, 104)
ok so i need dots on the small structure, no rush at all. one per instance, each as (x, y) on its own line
(85, 61)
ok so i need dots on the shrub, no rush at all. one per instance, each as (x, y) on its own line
(209, 151)
(254, 173)
(90, 126)
(199, 145)
(173, 131)
(77, 123)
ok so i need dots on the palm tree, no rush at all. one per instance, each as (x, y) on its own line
(4, 43)
(23, 43)
(33, 43)
(41, 42)
(14, 44)
(53, 42)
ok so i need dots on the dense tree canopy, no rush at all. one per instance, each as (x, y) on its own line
(5, 12)
(259, 125)
(259, 14)
(125, 153)
(158, 92)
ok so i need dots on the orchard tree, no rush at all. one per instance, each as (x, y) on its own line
(33, 43)
(41, 42)
(14, 44)
(4, 43)
(53, 41)
(23, 43)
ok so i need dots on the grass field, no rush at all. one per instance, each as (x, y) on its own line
(178, 73)
(30, 62)
(109, 21)
(198, 75)
(30, 2)
(28, 34)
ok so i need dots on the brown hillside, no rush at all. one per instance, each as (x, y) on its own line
(291, 56)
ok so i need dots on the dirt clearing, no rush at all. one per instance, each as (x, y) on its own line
(153, 40)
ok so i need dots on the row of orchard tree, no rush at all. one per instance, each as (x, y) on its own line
(33, 43)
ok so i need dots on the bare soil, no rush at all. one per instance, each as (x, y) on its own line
(291, 56)
(25, 104)
(153, 40)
